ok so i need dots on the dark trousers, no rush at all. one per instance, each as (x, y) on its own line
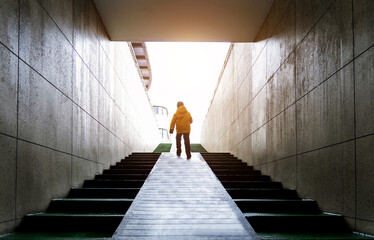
(186, 137)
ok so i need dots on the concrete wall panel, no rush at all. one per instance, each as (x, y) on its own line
(82, 169)
(281, 43)
(308, 13)
(326, 115)
(327, 175)
(62, 13)
(326, 49)
(280, 90)
(46, 109)
(43, 174)
(281, 135)
(285, 171)
(8, 98)
(363, 25)
(7, 178)
(44, 47)
(9, 15)
(364, 84)
(82, 104)
(365, 178)
(308, 120)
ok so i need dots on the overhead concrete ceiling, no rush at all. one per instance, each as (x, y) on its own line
(183, 20)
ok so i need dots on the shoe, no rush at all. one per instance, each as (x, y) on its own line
(188, 157)
(178, 155)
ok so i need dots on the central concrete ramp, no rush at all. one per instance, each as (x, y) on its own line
(183, 199)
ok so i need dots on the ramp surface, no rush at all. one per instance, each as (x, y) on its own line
(183, 199)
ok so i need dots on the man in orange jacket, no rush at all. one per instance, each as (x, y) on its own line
(182, 118)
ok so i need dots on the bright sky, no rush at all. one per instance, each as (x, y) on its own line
(186, 72)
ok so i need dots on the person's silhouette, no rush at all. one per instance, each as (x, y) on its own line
(182, 118)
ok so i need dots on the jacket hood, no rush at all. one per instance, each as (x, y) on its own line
(181, 110)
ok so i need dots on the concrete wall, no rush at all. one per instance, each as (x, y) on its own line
(72, 103)
(298, 104)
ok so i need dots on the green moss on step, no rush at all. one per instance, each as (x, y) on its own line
(163, 147)
(197, 147)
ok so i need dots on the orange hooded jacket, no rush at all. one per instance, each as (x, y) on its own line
(182, 118)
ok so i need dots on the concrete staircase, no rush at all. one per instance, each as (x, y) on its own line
(100, 204)
(275, 212)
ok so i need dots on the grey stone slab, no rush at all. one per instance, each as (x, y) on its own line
(105, 146)
(307, 14)
(364, 86)
(7, 178)
(326, 49)
(9, 15)
(8, 96)
(259, 110)
(44, 47)
(259, 73)
(85, 135)
(363, 25)
(45, 114)
(7, 227)
(281, 135)
(325, 116)
(365, 178)
(85, 40)
(62, 14)
(82, 170)
(285, 171)
(328, 176)
(364, 226)
(174, 209)
(281, 42)
(43, 174)
(280, 90)
(80, 81)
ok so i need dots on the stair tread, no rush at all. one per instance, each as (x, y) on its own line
(256, 214)
(273, 200)
(95, 199)
(312, 236)
(46, 214)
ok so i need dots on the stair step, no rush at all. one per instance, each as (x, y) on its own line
(131, 166)
(103, 192)
(135, 163)
(122, 176)
(59, 222)
(305, 223)
(113, 183)
(251, 184)
(236, 172)
(127, 171)
(305, 206)
(91, 205)
(320, 236)
(231, 166)
(224, 177)
(245, 193)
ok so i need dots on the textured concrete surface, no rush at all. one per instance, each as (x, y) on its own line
(9, 15)
(364, 86)
(363, 25)
(8, 98)
(328, 174)
(365, 178)
(326, 115)
(183, 199)
(43, 174)
(79, 99)
(304, 98)
(7, 178)
(46, 109)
